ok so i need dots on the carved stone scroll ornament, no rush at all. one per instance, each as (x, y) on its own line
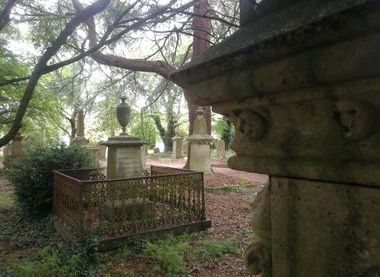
(258, 254)
(251, 125)
(357, 119)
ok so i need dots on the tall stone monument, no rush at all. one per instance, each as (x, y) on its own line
(177, 147)
(200, 141)
(124, 158)
(301, 82)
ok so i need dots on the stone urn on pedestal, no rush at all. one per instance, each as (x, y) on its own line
(200, 142)
(124, 159)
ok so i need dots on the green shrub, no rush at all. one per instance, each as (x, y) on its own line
(216, 248)
(32, 175)
(169, 254)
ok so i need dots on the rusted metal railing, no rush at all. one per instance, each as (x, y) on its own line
(88, 204)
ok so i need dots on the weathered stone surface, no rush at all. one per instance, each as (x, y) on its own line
(302, 88)
(292, 94)
(324, 229)
(177, 147)
(258, 256)
(220, 149)
(124, 157)
(185, 147)
(200, 142)
(95, 152)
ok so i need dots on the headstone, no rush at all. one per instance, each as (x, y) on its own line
(156, 150)
(200, 142)
(301, 83)
(177, 147)
(220, 149)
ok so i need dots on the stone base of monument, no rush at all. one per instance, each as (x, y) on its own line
(200, 158)
(124, 157)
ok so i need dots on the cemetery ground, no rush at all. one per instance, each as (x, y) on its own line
(34, 247)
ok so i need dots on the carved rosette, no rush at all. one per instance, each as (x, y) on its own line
(251, 125)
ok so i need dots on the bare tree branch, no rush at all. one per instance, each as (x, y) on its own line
(160, 67)
(5, 13)
(38, 71)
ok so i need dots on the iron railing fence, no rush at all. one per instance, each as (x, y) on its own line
(87, 203)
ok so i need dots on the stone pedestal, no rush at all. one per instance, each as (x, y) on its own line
(124, 157)
(200, 142)
(177, 148)
(301, 84)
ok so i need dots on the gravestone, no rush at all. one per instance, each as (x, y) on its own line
(220, 149)
(200, 141)
(300, 81)
(177, 147)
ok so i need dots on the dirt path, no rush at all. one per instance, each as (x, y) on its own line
(222, 174)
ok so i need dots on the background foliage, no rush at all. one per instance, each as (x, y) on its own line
(32, 175)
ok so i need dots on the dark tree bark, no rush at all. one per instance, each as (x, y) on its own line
(201, 30)
(166, 134)
(5, 13)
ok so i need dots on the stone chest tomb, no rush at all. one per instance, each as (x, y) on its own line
(301, 82)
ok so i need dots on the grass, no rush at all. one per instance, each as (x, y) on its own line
(216, 248)
(55, 261)
(168, 253)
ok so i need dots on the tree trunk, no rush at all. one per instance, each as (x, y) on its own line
(165, 135)
(201, 30)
